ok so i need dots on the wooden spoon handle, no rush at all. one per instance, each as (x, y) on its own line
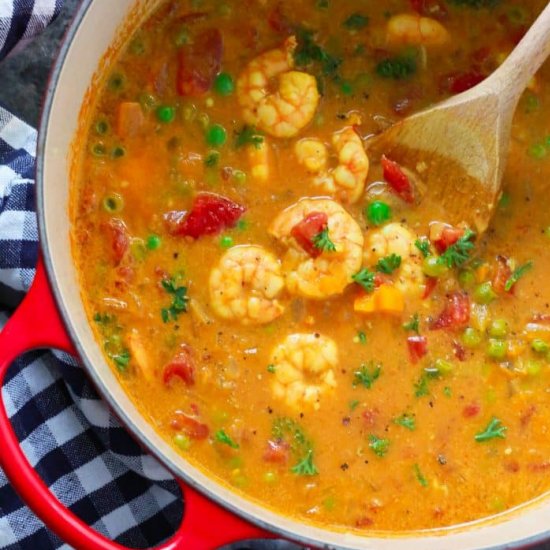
(513, 76)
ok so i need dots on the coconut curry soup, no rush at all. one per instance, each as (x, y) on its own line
(269, 295)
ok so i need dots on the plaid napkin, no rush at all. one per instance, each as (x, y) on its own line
(68, 434)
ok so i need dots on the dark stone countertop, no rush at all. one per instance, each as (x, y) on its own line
(23, 78)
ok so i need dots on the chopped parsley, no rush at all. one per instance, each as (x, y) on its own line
(211, 159)
(362, 337)
(424, 246)
(271, 369)
(222, 437)
(397, 68)
(421, 388)
(365, 278)
(389, 264)
(354, 404)
(414, 324)
(322, 241)
(367, 375)
(121, 359)
(406, 421)
(459, 253)
(309, 52)
(248, 135)
(356, 21)
(305, 467)
(517, 275)
(179, 300)
(494, 430)
(379, 446)
(103, 318)
(419, 476)
(286, 429)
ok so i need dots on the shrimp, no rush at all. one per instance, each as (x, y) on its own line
(328, 272)
(245, 284)
(303, 369)
(414, 30)
(346, 182)
(288, 110)
(395, 238)
(312, 154)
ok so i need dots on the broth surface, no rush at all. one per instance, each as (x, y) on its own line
(340, 377)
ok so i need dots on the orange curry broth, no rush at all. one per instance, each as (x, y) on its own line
(427, 473)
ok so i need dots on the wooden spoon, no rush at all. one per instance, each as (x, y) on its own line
(459, 147)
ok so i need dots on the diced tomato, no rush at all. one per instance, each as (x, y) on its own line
(210, 215)
(381, 279)
(200, 63)
(181, 366)
(527, 415)
(431, 283)
(364, 521)
(370, 416)
(277, 452)
(502, 274)
(304, 231)
(430, 8)
(447, 237)
(456, 313)
(120, 241)
(418, 347)
(459, 350)
(456, 83)
(397, 179)
(189, 425)
(512, 467)
(471, 410)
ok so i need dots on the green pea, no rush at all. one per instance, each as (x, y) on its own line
(182, 442)
(153, 242)
(537, 151)
(226, 242)
(466, 278)
(484, 293)
(166, 114)
(533, 367)
(113, 203)
(432, 267)
(346, 88)
(224, 84)
(239, 176)
(471, 338)
(98, 149)
(496, 349)
(378, 212)
(102, 127)
(216, 135)
(540, 346)
(271, 477)
(118, 152)
(498, 328)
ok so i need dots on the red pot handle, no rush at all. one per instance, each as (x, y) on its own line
(37, 324)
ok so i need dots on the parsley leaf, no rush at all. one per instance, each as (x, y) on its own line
(248, 135)
(272, 369)
(362, 337)
(397, 68)
(222, 437)
(379, 446)
(367, 375)
(414, 324)
(406, 421)
(494, 430)
(365, 278)
(121, 359)
(424, 246)
(322, 241)
(354, 404)
(517, 275)
(286, 429)
(305, 467)
(211, 159)
(179, 300)
(309, 52)
(459, 253)
(419, 476)
(421, 387)
(356, 21)
(389, 264)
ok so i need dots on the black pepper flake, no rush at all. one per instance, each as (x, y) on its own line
(344, 466)
(431, 404)
(269, 410)
(176, 255)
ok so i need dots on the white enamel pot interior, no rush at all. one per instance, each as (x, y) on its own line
(96, 27)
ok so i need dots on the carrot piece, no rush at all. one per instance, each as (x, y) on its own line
(129, 119)
(384, 299)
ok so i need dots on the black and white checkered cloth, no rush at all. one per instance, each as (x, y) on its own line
(68, 434)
